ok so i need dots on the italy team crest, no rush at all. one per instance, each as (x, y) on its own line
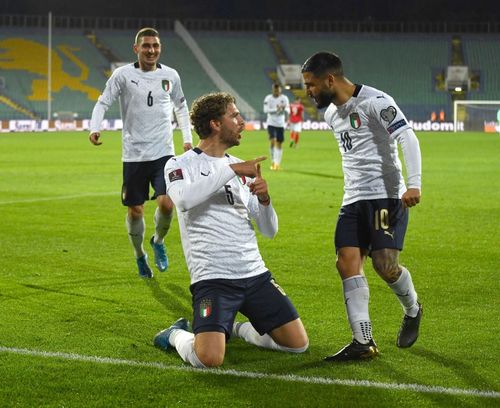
(205, 308)
(165, 84)
(355, 120)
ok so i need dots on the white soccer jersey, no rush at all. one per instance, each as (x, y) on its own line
(366, 128)
(275, 108)
(214, 208)
(146, 99)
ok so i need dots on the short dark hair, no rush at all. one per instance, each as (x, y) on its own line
(146, 32)
(209, 107)
(322, 63)
(276, 85)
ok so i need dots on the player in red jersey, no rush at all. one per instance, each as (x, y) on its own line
(296, 118)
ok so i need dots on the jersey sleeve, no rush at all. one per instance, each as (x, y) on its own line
(287, 105)
(413, 161)
(106, 99)
(187, 194)
(265, 217)
(386, 112)
(267, 106)
(181, 110)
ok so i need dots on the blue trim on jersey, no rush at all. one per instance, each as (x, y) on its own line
(357, 90)
(400, 123)
(136, 65)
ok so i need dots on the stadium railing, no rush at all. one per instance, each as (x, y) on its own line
(121, 23)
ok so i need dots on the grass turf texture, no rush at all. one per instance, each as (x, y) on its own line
(68, 281)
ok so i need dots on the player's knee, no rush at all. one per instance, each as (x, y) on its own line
(301, 349)
(210, 359)
(341, 264)
(136, 211)
(301, 344)
(166, 205)
(388, 270)
(167, 210)
(346, 265)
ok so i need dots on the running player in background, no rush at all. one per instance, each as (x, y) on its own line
(216, 195)
(296, 119)
(276, 106)
(146, 91)
(373, 218)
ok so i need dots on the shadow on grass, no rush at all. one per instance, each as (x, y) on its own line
(67, 293)
(404, 374)
(461, 369)
(175, 299)
(313, 174)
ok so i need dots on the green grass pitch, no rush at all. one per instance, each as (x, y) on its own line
(68, 285)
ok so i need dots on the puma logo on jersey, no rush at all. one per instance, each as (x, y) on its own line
(391, 234)
(207, 174)
(135, 82)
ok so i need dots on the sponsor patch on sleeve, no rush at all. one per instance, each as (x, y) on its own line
(400, 123)
(175, 175)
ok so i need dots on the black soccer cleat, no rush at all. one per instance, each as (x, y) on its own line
(408, 333)
(355, 351)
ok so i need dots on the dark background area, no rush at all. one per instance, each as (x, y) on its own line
(364, 10)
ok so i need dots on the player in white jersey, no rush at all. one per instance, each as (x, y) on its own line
(373, 218)
(148, 93)
(217, 196)
(276, 106)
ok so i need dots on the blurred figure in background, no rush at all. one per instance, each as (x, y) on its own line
(276, 106)
(296, 119)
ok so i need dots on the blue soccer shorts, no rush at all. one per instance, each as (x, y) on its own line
(217, 301)
(137, 176)
(372, 225)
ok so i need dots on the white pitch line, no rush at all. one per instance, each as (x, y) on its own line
(254, 375)
(57, 198)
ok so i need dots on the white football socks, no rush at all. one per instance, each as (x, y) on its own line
(183, 341)
(357, 297)
(405, 291)
(278, 154)
(271, 152)
(136, 228)
(162, 225)
(247, 332)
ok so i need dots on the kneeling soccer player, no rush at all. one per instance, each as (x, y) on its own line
(216, 195)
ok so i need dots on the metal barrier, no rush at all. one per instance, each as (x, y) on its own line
(122, 23)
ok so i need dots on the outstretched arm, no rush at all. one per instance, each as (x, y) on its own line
(186, 195)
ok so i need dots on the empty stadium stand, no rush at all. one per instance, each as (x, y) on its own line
(404, 65)
(243, 59)
(401, 65)
(483, 55)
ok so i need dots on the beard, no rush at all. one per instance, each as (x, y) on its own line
(230, 140)
(324, 98)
